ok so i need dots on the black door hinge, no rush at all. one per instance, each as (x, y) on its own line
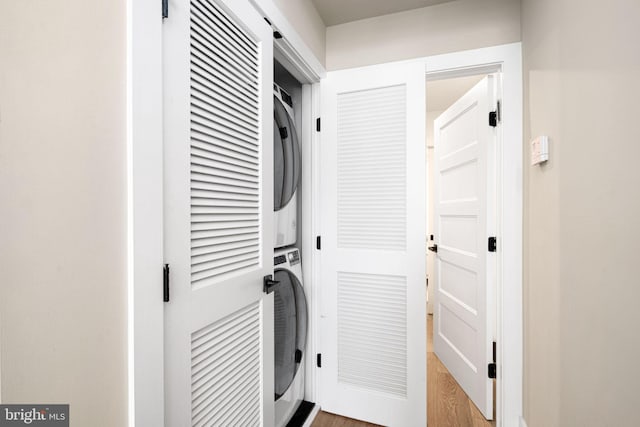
(165, 9)
(319, 360)
(493, 119)
(318, 242)
(495, 116)
(491, 372)
(492, 244)
(165, 283)
(318, 124)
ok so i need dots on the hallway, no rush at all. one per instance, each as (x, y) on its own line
(447, 404)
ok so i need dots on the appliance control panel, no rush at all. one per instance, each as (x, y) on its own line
(294, 257)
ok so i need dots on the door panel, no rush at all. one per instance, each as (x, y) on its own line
(218, 214)
(373, 337)
(463, 196)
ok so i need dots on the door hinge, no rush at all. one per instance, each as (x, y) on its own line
(319, 360)
(318, 242)
(493, 244)
(318, 124)
(165, 9)
(491, 371)
(165, 283)
(495, 117)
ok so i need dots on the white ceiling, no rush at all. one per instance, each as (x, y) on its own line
(334, 12)
(441, 94)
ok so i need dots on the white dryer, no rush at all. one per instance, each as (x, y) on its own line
(286, 169)
(290, 326)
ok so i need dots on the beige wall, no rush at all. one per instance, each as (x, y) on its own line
(63, 206)
(582, 287)
(305, 20)
(448, 27)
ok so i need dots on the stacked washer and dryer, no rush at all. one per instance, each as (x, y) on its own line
(290, 303)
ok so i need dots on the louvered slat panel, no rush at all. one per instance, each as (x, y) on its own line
(372, 332)
(225, 146)
(210, 229)
(225, 371)
(203, 26)
(202, 183)
(371, 169)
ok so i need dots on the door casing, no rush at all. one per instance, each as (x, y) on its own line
(507, 60)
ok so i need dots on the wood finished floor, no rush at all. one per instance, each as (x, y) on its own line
(447, 404)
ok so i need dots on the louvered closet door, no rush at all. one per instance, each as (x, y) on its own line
(218, 182)
(373, 334)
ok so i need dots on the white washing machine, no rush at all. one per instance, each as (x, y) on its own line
(290, 326)
(286, 169)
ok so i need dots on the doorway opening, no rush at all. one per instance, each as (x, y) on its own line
(365, 111)
(461, 140)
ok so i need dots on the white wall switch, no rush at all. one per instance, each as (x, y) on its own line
(539, 150)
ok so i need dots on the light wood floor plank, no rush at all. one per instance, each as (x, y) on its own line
(447, 403)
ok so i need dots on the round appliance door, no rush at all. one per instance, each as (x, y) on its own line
(290, 325)
(286, 156)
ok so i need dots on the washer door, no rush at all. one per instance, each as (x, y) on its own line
(290, 307)
(286, 156)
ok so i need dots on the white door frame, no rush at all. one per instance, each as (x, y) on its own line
(506, 59)
(299, 60)
(145, 308)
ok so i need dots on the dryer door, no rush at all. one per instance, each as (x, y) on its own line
(286, 156)
(290, 326)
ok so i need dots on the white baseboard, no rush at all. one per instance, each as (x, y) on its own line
(312, 416)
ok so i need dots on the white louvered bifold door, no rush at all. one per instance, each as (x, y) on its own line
(218, 157)
(373, 299)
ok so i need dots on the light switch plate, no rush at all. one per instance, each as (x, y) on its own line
(539, 150)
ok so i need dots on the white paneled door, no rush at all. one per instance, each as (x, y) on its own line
(372, 291)
(218, 159)
(464, 220)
